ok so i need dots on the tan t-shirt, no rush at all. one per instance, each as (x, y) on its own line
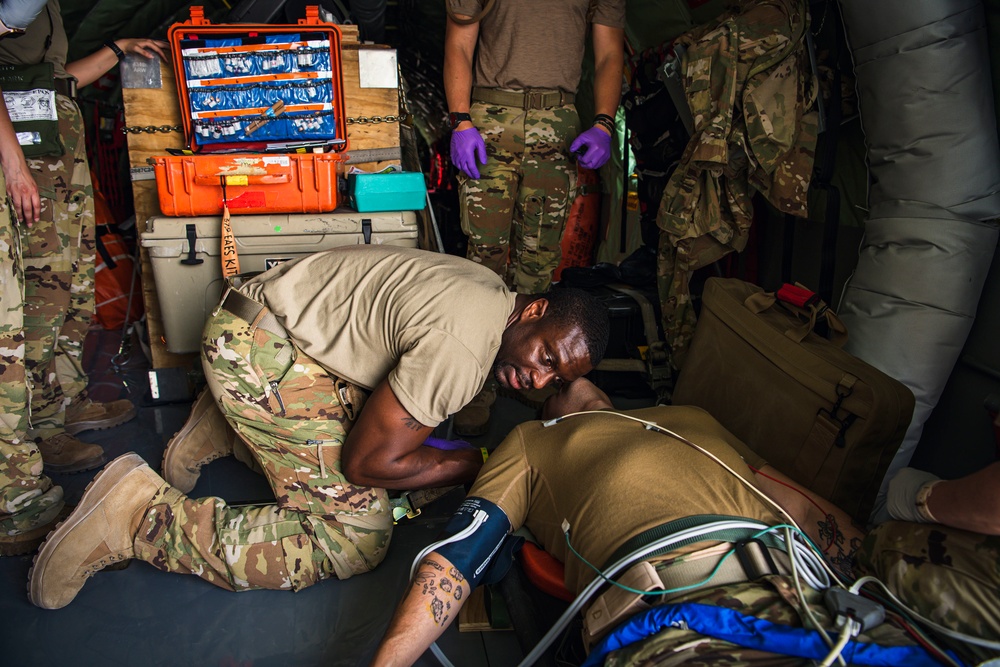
(612, 479)
(535, 43)
(430, 323)
(29, 48)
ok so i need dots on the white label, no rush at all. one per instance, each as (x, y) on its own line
(29, 138)
(154, 385)
(37, 104)
(142, 173)
(377, 68)
(280, 160)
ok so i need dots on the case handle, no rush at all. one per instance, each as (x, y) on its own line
(811, 309)
(237, 180)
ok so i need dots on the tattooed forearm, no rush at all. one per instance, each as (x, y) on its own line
(836, 546)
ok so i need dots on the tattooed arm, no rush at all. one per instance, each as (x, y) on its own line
(383, 449)
(432, 603)
(830, 527)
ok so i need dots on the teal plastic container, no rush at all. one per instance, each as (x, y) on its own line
(395, 191)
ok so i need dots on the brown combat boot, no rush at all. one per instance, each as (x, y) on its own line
(205, 436)
(64, 453)
(474, 418)
(98, 532)
(86, 415)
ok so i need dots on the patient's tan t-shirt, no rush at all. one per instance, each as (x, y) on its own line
(430, 323)
(612, 479)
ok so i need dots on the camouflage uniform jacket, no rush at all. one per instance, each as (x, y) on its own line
(749, 86)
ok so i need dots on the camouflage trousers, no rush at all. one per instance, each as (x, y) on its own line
(515, 213)
(773, 598)
(27, 497)
(948, 575)
(59, 253)
(294, 417)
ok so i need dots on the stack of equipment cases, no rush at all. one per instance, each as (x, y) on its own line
(185, 254)
(265, 130)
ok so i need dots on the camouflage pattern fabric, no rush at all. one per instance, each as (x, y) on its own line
(59, 252)
(773, 598)
(294, 417)
(948, 575)
(749, 85)
(28, 498)
(518, 207)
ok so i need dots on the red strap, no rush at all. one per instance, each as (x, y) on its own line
(795, 295)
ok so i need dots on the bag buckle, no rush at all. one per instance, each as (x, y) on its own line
(796, 295)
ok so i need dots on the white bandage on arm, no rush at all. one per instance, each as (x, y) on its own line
(908, 493)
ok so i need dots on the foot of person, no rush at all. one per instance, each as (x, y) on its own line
(99, 531)
(27, 541)
(88, 415)
(205, 436)
(66, 454)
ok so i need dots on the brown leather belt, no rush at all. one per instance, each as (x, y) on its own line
(66, 87)
(253, 312)
(527, 99)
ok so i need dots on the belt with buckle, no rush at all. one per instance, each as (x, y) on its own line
(253, 312)
(527, 99)
(66, 87)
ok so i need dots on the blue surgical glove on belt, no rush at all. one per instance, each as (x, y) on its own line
(18, 14)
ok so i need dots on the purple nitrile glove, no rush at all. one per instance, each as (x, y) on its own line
(466, 146)
(441, 443)
(594, 146)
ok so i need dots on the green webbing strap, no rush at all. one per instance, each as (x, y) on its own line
(732, 535)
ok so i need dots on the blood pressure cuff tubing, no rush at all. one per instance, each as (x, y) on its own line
(476, 541)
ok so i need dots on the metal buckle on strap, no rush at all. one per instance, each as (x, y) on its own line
(66, 87)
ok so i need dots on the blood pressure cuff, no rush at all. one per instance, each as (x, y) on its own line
(30, 94)
(477, 543)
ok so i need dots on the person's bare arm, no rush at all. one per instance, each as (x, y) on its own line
(459, 47)
(831, 528)
(384, 449)
(21, 187)
(432, 603)
(609, 64)
(970, 503)
(90, 68)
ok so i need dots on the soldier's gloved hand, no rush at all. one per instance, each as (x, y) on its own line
(904, 493)
(19, 14)
(441, 443)
(594, 147)
(466, 146)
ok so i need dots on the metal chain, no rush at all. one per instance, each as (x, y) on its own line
(151, 129)
(365, 120)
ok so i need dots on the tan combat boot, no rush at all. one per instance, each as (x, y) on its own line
(98, 532)
(205, 436)
(474, 418)
(87, 415)
(64, 453)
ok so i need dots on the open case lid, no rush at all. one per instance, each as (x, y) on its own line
(243, 64)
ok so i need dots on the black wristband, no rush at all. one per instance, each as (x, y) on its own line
(114, 48)
(603, 116)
